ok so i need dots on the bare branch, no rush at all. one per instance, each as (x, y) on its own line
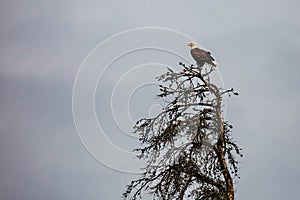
(188, 146)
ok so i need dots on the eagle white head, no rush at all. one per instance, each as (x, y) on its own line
(193, 45)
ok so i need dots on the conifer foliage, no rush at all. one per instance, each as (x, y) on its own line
(188, 147)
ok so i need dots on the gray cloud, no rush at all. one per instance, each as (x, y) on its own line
(42, 45)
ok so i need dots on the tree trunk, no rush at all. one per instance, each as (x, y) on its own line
(220, 149)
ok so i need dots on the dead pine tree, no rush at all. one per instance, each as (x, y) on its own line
(188, 147)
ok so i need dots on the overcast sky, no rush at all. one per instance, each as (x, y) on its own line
(44, 43)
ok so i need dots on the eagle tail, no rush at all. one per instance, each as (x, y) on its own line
(215, 63)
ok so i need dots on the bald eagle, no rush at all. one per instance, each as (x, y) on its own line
(201, 56)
